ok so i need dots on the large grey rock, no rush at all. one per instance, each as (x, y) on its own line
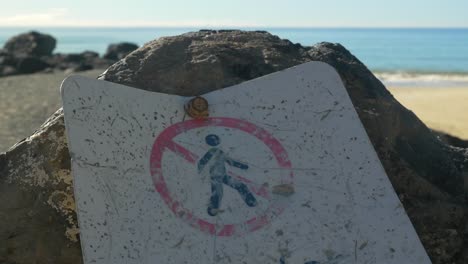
(429, 176)
(36, 199)
(24, 53)
(199, 62)
(30, 64)
(31, 44)
(119, 51)
(7, 59)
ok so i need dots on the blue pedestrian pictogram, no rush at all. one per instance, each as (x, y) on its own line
(215, 160)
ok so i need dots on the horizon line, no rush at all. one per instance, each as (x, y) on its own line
(232, 27)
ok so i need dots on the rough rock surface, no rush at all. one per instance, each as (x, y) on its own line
(119, 51)
(31, 44)
(36, 200)
(451, 140)
(429, 176)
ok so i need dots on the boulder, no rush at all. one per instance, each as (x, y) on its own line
(85, 56)
(32, 52)
(30, 64)
(26, 53)
(7, 64)
(75, 62)
(36, 201)
(88, 54)
(22, 64)
(37, 207)
(451, 140)
(6, 70)
(31, 44)
(7, 59)
(119, 51)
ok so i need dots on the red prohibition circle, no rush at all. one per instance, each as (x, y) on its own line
(165, 141)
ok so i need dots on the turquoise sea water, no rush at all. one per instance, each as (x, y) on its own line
(382, 50)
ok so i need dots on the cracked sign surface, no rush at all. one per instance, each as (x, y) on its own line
(281, 172)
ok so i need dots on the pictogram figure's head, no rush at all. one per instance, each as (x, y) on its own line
(212, 140)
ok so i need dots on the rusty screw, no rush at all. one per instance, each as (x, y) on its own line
(197, 108)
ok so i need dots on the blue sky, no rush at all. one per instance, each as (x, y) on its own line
(236, 13)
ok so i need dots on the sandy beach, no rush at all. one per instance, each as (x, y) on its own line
(26, 101)
(443, 109)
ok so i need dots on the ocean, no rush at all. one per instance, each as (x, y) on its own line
(397, 56)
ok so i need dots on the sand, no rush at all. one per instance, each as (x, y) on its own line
(443, 109)
(26, 101)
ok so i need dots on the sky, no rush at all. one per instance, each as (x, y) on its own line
(235, 13)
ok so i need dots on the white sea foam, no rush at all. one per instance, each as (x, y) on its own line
(405, 79)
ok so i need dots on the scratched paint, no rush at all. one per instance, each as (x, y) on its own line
(215, 160)
(281, 172)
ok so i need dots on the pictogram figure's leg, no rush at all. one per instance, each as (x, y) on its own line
(216, 196)
(243, 190)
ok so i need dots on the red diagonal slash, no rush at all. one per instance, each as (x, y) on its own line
(191, 157)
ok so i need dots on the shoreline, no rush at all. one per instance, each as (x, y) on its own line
(423, 79)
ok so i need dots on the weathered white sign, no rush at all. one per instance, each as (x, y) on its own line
(282, 172)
